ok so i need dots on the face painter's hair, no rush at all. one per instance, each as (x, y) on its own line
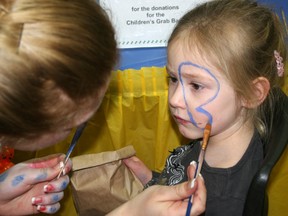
(239, 38)
(51, 48)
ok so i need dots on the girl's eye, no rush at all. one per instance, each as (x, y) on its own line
(172, 79)
(196, 86)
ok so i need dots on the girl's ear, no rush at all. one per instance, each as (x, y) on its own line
(261, 87)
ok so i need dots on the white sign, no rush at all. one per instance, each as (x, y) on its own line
(145, 23)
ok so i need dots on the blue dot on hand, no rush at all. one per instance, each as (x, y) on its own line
(53, 210)
(3, 176)
(55, 198)
(64, 185)
(42, 177)
(17, 180)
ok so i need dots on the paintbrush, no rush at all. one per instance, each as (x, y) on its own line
(206, 135)
(73, 143)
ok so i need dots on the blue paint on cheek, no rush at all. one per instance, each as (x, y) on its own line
(3, 176)
(42, 177)
(17, 180)
(55, 198)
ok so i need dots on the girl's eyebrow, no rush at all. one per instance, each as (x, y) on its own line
(197, 73)
(192, 75)
(189, 74)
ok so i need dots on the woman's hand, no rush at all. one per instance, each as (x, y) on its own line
(31, 187)
(166, 200)
(141, 171)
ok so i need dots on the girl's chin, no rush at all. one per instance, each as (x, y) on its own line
(191, 133)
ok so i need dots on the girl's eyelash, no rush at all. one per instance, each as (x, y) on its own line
(196, 86)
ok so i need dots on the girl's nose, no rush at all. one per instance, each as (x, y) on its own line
(176, 97)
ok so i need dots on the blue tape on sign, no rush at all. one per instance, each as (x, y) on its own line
(137, 58)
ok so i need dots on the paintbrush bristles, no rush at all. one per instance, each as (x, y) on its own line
(206, 135)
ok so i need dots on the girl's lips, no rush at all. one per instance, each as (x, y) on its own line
(181, 121)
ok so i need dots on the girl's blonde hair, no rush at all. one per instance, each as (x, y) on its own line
(47, 48)
(238, 37)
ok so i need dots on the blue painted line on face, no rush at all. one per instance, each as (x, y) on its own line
(17, 180)
(3, 176)
(199, 108)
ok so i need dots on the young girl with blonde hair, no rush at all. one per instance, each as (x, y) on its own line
(225, 66)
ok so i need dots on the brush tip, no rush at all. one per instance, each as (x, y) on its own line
(206, 135)
(208, 126)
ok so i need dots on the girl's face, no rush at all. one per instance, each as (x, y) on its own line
(200, 94)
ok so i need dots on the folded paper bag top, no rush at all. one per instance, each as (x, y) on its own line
(101, 182)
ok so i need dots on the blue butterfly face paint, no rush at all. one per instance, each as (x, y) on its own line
(199, 108)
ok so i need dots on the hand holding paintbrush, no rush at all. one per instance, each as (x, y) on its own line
(71, 147)
(206, 136)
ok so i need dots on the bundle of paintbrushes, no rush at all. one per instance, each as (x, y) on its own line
(200, 160)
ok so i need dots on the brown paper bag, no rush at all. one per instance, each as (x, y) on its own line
(101, 182)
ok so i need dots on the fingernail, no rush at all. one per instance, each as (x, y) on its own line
(201, 176)
(64, 171)
(61, 164)
(192, 183)
(48, 188)
(41, 208)
(36, 200)
(193, 163)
